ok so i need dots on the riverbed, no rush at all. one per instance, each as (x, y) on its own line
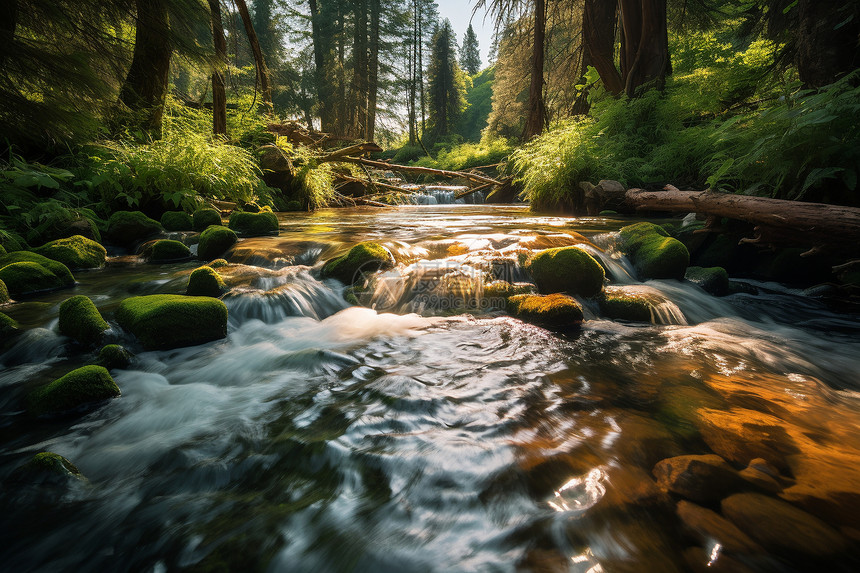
(427, 430)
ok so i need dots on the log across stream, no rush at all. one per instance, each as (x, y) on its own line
(426, 429)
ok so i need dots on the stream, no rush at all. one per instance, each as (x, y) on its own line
(429, 430)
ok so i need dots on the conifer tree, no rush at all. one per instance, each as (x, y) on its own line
(470, 55)
(445, 83)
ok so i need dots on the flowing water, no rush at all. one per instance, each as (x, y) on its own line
(431, 431)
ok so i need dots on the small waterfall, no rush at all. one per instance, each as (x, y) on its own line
(444, 195)
(296, 294)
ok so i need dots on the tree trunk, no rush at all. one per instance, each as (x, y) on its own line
(341, 122)
(262, 71)
(645, 44)
(827, 45)
(598, 32)
(812, 224)
(219, 94)
(145, 86)
(420, 25)
(358, 109)
(321, 71)
(536, 111)
(8, 24)
(373, 74)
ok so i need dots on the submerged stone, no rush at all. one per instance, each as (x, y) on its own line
(114, 356)
(550, 311)
(498, 292)
(165, 321)
(205, 281)
(128, 227)
(76, 252)
(80, 319)
(25, 272)
(203, 218)
(362, 258)
(169, 251)
(714, 527)
(48, 467)
(80, 387)
(714, 280)
(215, 241)
(264, 222)
(177, 221)
(566, 269)
(654, 254)
(702, 478)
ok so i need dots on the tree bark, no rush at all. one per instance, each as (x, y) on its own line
(645, 44)
(262, 70)
(321, 71)
(219, 94)
(8, 24)
(827, 45)
(358, 109)
(536, 110)
(373, 73)
(835, 226)
(598, 32)
(145, 86)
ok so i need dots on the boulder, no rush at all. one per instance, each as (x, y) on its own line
(165, 321)
(218, 263)
(714, 280)
(654, 254)
(205, 281)
(203, 218)
(362, 258)
(4, 293)
(740, 435)
(497, 292)
(619, 303)
(704, 479)
(78, 388)
(80, 319)
(782, 528)
(25, 272)
(167, 251)
(215, 241)
(177, 221)
(48, 467)
(129, 227)
(114, 356)
(711, 526)
(550, 311)
(76, 252)
(264, 222)
(566, 269)
(763, 476)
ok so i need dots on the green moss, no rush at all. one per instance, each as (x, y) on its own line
(205, 217)
(617, 304)
(4, 293)
(77, 388)
(11, 242)
(566, 269)
(114, 356)
(551, 311)
(205, 281)
(167, 251)
(48, 466)
(56, 268)
(28, 277)
(254, 224)
(497, 292)
(218, 263)
(653, 253)
(293, 206)
(177, 221)
(215, 241)
(8, 328)
(80, 319)
(128, 227)
(2, 250)
(362, 258)
(714, 280)
(76, 252)
(166, 321)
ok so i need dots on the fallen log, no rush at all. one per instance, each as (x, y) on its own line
(817, 224)
(483, 179)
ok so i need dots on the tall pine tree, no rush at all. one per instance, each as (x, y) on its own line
(445, 83)
(470, 55)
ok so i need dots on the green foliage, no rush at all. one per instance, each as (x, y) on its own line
(479, 104)
(446, 84)
(468, 155)
(80, 319)
(470, 54)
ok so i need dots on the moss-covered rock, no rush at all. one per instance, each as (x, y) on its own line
(215, 241)
(166, 251)
(113, 356)
(80, 319)
(620, 304)
(654, 254)
(203, 218)
(218, 263)
(129, 227)
(4, 293)
(205, 281)
(8, 328)
(164, 321)
(254, 224)
(362, 258)
(498, 292)
(76, 252)
(48, 467)
(177, 221)
(551, 311)
(714, 280)
(566, 269)
(25, 272)
(78, 388)
(2, 250)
